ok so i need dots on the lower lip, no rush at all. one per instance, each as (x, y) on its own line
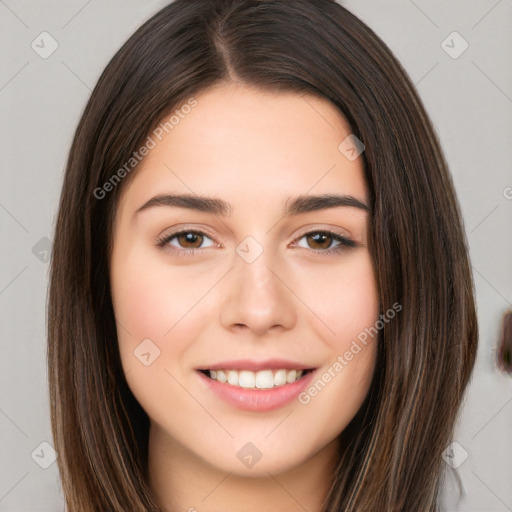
(259, 400)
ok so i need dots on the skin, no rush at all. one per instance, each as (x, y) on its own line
(253, 149)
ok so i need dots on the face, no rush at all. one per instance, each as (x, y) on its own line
(270, 294)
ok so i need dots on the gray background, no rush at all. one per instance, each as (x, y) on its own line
(469, 99)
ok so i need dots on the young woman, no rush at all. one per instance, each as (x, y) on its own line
(260, 290)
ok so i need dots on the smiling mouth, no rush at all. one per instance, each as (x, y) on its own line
(263, 379)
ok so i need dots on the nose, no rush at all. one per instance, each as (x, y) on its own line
(257, 298)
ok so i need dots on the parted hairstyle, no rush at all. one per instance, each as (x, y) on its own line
(391, 458)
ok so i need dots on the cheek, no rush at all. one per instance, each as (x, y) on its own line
(150, 297)
(168, 305)
(142, 307)
(153, 307)
(344, 298)
(355, 319)
(348, 305)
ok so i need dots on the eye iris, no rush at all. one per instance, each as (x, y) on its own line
(323, 237)
(189, 237)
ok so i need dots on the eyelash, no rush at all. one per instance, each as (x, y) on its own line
(344, 243)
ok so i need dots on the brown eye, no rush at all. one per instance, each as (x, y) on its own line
(320, 240)
(186, 241)
(190, 237)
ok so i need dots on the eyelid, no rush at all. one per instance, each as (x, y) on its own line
(176, 230)
(322, 229)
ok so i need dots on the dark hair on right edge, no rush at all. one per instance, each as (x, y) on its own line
(391, 458)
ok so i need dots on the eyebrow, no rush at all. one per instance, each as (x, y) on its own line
(216, 206)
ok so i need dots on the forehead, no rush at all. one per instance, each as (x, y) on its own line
(239, 143)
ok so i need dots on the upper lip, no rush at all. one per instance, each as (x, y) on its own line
(246, 364)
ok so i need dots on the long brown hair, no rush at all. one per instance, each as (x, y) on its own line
(391, 459)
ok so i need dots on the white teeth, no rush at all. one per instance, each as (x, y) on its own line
(291, 376)
(233, 378)
(263, 379)
(280, 378)
(246, 379)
